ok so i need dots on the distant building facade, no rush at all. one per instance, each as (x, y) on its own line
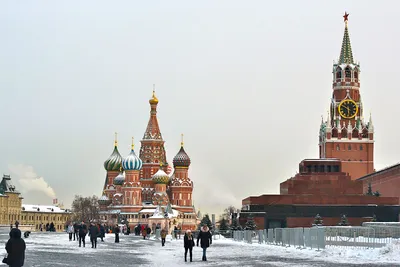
(13, 210)
(145, 189)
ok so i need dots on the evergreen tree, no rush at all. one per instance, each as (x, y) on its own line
(377, 194)
(344, 221)
(223, 225)
(250, 224)
(235, 226)
(318, 220)
(369, 191)
(206, 221)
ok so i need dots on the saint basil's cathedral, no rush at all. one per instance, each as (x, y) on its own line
(145, 189)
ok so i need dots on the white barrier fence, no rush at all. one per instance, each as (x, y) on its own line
(319, 237)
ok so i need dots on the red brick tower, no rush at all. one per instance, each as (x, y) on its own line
(345, 135)
(181, 186)
(152, 152)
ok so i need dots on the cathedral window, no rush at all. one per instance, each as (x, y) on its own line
(339, 74)
(337, 147)
(355, 75)
(361, 147)
(347, 72)
(349, 147)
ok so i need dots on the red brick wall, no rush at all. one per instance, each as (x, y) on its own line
(386, 182)
(320, 200)
(332, 221)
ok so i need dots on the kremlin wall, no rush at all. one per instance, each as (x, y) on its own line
(336, 183)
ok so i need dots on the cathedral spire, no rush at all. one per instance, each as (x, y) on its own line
(346, 55)
(153, 130)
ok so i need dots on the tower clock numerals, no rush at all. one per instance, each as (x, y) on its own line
(348, 109)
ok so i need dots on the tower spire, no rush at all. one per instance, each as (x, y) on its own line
(133, 143)
(346, 54)
(116, 139)
(181, 140)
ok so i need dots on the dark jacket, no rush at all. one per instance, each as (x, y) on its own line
(188, 240)
(16, 249)
(204, 237)
(117, 230)
(163, 233)
(102, 230)
(94, 231)
(82, 229)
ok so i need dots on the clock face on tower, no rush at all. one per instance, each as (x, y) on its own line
(348, 109)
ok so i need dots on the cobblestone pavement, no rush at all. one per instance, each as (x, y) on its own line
(54, 249)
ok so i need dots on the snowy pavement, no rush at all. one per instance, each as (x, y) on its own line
(54, 249)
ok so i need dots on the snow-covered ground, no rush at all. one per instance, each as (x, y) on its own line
(54, 249)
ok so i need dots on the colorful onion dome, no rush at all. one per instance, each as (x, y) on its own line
(153, 100)
(132, 162)
(181, 159)
(104, 200)
(120, 179)
(160, 177)
(113, 163)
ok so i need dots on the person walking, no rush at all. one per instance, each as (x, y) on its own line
(15, 248)
(82, 233)
(76, 231)
(117, 231)
(188, 243)
(163, 236)
(205, 240)
(102, 232)
(70, 231)
(93, 233)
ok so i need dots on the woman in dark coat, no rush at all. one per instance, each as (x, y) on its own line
(205, 240)
(188, 243)
(16, 249)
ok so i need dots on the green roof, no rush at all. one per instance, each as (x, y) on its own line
(346, 55)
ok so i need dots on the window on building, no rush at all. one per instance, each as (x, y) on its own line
(337, 147)
(329, 168)
(347, 72)
(355, 74)
(349, 147)
(361, 147)
(338, 74)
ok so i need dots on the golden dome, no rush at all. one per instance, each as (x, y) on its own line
(154, 99)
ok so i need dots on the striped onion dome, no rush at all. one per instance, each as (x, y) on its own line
(160, 177)
(120, 179)
(132, 162)
(113, 163)
(104, 200)
(181, 159)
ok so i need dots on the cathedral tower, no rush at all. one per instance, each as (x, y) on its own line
(345, 134)
(152, 151)
(113, 167)
(181, 186)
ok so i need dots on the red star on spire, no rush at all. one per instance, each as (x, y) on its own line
(346, 15)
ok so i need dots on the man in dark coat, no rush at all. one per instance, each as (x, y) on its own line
(76, 231)
(117, 231)
(15, 248)
(102, 232)
(206, 240)
(82, 233)
(93, 233)
(188, 243)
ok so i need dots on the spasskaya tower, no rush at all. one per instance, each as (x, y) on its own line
(345, 134)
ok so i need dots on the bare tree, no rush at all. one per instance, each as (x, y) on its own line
(229, 211)
(85, 208)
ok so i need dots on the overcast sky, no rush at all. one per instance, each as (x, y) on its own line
(245, 81)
